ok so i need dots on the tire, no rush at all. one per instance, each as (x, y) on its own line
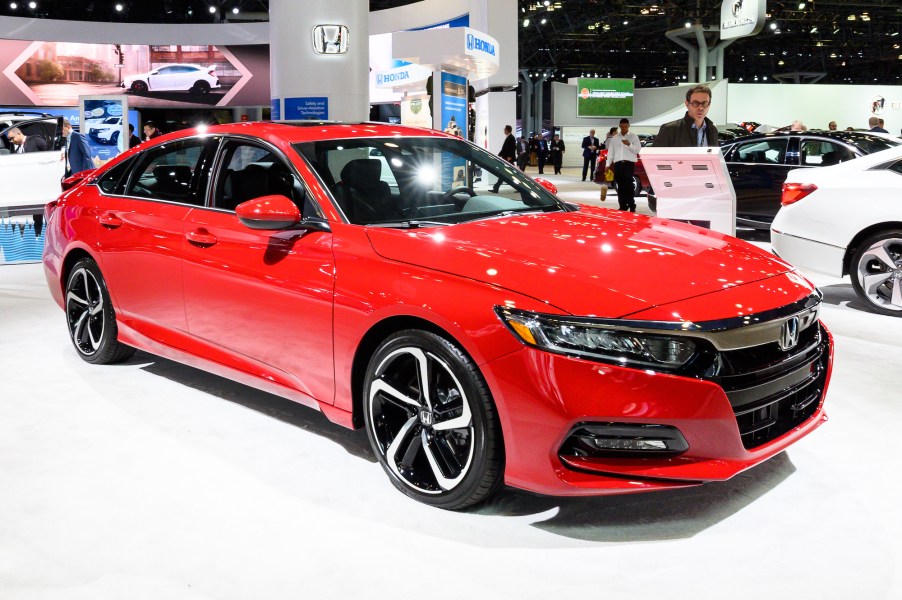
(652, 202)
(439, 444)
(114, 139)
(876, 272)
(139, 87)
(637, 186)
(201, 88)
(90, 316)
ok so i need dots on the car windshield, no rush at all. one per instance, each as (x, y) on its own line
(421, 181)
(875, 143)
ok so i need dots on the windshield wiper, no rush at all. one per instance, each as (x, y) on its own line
(409, 224)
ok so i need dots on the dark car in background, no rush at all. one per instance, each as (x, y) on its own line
(759, 163)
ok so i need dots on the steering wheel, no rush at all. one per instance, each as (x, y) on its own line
(456, 190)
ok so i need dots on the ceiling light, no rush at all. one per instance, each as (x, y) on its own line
(773, 26)
(212, 10)
(546, 3)
(626, 22)
(13, 5)
(525, 22)
(801, 6)
(688, 24)
(544, 20)
(235, 11)
(119, 8)
(32, 5)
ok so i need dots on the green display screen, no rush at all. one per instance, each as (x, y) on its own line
(604, 97)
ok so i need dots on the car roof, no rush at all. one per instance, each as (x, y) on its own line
(850, 137)
(311, 131)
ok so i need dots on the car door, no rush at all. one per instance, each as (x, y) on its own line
(162, 79)
(758, 170)
(36, 175)
(261, 299)
(141, 214)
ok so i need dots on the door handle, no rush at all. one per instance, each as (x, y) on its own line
(110, 221)
(201, 238)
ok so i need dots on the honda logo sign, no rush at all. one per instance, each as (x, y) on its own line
(789, 334)
(330, 39)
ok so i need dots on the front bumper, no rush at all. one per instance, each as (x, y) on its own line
(543, 397)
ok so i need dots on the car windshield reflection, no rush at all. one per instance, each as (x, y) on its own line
(417, 182)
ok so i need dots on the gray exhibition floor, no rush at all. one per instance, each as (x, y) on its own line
(151, 480)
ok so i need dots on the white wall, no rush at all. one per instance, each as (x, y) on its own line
(815, 105)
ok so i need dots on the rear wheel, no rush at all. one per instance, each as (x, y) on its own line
(876, 272)
(431, 421)
(201, 88)
(90, 316)
(139, 87)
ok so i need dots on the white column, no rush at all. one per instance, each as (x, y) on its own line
(309, 84)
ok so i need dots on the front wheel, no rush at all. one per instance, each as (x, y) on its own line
(139, 87)
(876, 272)
(431, 421)
(90, 316)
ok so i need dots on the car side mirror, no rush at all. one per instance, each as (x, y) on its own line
(546, 184)
(268, 212)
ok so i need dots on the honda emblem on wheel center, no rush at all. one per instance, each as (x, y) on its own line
(426, 417)
(789, 333)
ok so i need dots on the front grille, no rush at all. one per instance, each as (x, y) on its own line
(772, 390)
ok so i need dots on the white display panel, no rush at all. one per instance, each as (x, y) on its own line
(692, 185)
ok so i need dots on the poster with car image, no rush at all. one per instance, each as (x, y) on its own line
(48, 73)
(104, 126)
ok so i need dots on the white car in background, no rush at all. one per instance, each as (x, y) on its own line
(847, 220)
(103, 131)
(180, 77)
(31, 179)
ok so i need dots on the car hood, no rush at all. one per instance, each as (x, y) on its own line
(594, 262)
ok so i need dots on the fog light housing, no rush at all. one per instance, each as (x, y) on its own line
(624, 440)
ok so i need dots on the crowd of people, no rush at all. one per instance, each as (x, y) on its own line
(694, 129)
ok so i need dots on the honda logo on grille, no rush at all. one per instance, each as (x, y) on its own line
(789, 333)
(330, 39)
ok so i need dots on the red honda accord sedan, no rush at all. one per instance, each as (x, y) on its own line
(409, 282)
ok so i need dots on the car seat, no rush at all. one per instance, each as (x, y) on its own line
(362, 195)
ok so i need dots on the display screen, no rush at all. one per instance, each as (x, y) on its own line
(57, 73)
(604, 97)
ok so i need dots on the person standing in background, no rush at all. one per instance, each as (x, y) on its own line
(151, 131)
(831, 126)
(508, 152)
(590, 153)
(133, 140)
(76, 151)
(874, 124)
(695, 129)
(623, 152)
(541, 153)
(557, 153)
(522, 153)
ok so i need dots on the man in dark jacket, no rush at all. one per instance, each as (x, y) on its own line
(508, 151)
(695, 129)
(590, 153)
(78, 155)
(25, 143)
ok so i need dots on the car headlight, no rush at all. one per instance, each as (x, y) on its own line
(588, 338)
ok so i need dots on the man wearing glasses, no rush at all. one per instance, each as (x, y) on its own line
(25, 143)
(695, 128)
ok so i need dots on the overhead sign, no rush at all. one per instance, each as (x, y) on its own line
(741, 18)
(408, 75)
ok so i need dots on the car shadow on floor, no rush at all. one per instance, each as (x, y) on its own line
(843, 294)
(353, 441)
(651, 516)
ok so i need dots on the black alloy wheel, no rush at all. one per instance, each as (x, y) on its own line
(201, 88)
(90, 316)
(431, 421)
(139, 87)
